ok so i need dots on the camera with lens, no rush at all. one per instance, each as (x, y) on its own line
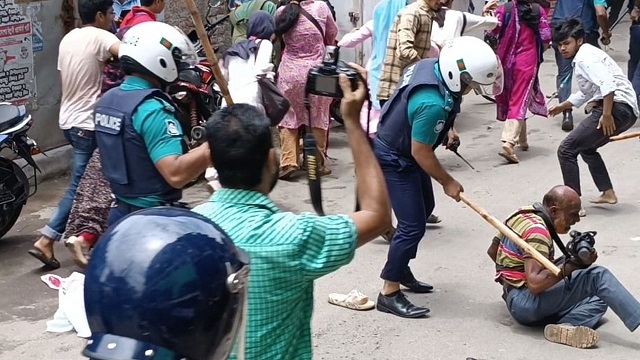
(581, 244)
(323, 80)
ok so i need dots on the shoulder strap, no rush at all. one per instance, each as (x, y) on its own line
(539, 210)
(315, 22)
(464, 23)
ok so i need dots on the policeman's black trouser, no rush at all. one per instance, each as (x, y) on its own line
(585, 140)
(411, 194)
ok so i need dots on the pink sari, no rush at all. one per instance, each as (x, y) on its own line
(518, 52)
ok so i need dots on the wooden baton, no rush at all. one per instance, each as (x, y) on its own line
(625, 136)
(512, 236)
(208, 50)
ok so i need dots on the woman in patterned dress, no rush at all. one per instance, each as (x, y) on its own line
(304, 49)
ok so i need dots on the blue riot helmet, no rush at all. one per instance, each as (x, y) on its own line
(165, 284)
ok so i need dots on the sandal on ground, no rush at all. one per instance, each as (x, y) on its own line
(433, 219)
(507, 153)
(79, 251)
(287, 172)
(354, 300)
(580, 337)
(50, 262)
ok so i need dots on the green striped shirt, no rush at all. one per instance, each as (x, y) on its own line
(288, 252)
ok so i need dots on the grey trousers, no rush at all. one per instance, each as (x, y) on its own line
(581, 301)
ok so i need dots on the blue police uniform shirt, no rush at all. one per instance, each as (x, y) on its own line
(155, 121)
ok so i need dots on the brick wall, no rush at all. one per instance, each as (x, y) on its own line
(177, 14)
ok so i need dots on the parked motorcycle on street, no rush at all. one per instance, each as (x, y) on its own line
(15, 187)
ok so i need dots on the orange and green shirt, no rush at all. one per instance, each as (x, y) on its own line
(510, 258)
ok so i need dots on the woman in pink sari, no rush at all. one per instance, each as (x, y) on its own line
(304, 48)
(523, 34)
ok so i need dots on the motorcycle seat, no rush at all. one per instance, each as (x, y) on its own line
(10, 115)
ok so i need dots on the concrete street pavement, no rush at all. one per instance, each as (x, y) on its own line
(468, 316)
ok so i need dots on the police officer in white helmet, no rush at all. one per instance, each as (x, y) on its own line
(414, 122)
(139, 137)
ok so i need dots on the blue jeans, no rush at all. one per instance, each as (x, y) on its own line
(580, 301)
(634, 58)
(565, 69)
(119, 211)
(412, 200)
(84, 144)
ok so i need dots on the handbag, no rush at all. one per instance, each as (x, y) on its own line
(275, 104)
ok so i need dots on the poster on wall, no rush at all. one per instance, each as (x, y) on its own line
(16, 54)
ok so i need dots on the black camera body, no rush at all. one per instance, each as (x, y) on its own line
(323, 80)
(581, 244)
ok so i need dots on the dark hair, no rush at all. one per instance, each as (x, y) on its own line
(568, 28)
(526, 14)
(147, 3)
(89, 8)
(239, 139)
(288, 17)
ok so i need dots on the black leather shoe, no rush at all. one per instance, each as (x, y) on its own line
(410, 282)
(398, 304)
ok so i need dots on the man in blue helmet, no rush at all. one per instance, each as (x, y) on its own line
(147, 296)
(416, 119)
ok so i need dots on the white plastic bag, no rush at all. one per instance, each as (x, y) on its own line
(71, 314)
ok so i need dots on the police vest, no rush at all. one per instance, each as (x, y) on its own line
(394, 129)
(124, 156)
(583, 9)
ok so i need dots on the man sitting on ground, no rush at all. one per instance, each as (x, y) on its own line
(571, 304)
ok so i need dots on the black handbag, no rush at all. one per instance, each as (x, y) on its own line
(275, 104)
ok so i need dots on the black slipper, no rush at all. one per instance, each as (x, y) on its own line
(51, 262)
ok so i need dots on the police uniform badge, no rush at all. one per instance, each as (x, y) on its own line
(439, 126)
(172, 128)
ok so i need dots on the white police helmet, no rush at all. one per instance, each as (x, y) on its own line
(157, 49)
(469, 61)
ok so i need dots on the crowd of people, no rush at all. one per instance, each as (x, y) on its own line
(130, 166)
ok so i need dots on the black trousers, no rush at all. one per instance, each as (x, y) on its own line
(585, 140)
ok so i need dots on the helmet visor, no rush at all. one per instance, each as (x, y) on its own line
(187, 56)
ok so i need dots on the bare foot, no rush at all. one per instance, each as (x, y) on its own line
(79, 250)
(607, 197)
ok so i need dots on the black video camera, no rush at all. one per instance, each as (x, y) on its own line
(323, 80)
(581, 244)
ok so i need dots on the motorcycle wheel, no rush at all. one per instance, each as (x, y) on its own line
(14, 184)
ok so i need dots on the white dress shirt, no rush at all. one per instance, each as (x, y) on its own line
(598, 75)
(454, 23)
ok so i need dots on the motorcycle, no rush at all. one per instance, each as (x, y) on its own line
(14, 183)
(197, 99)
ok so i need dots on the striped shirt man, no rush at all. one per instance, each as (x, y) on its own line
(288, 252)
(409, 41)
(510, 258)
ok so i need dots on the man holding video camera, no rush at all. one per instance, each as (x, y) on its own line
(413, 123)
(571, 304)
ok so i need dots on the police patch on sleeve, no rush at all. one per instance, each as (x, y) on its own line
(172, 127)
(439, 126)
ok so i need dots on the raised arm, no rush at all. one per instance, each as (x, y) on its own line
(358, 36)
